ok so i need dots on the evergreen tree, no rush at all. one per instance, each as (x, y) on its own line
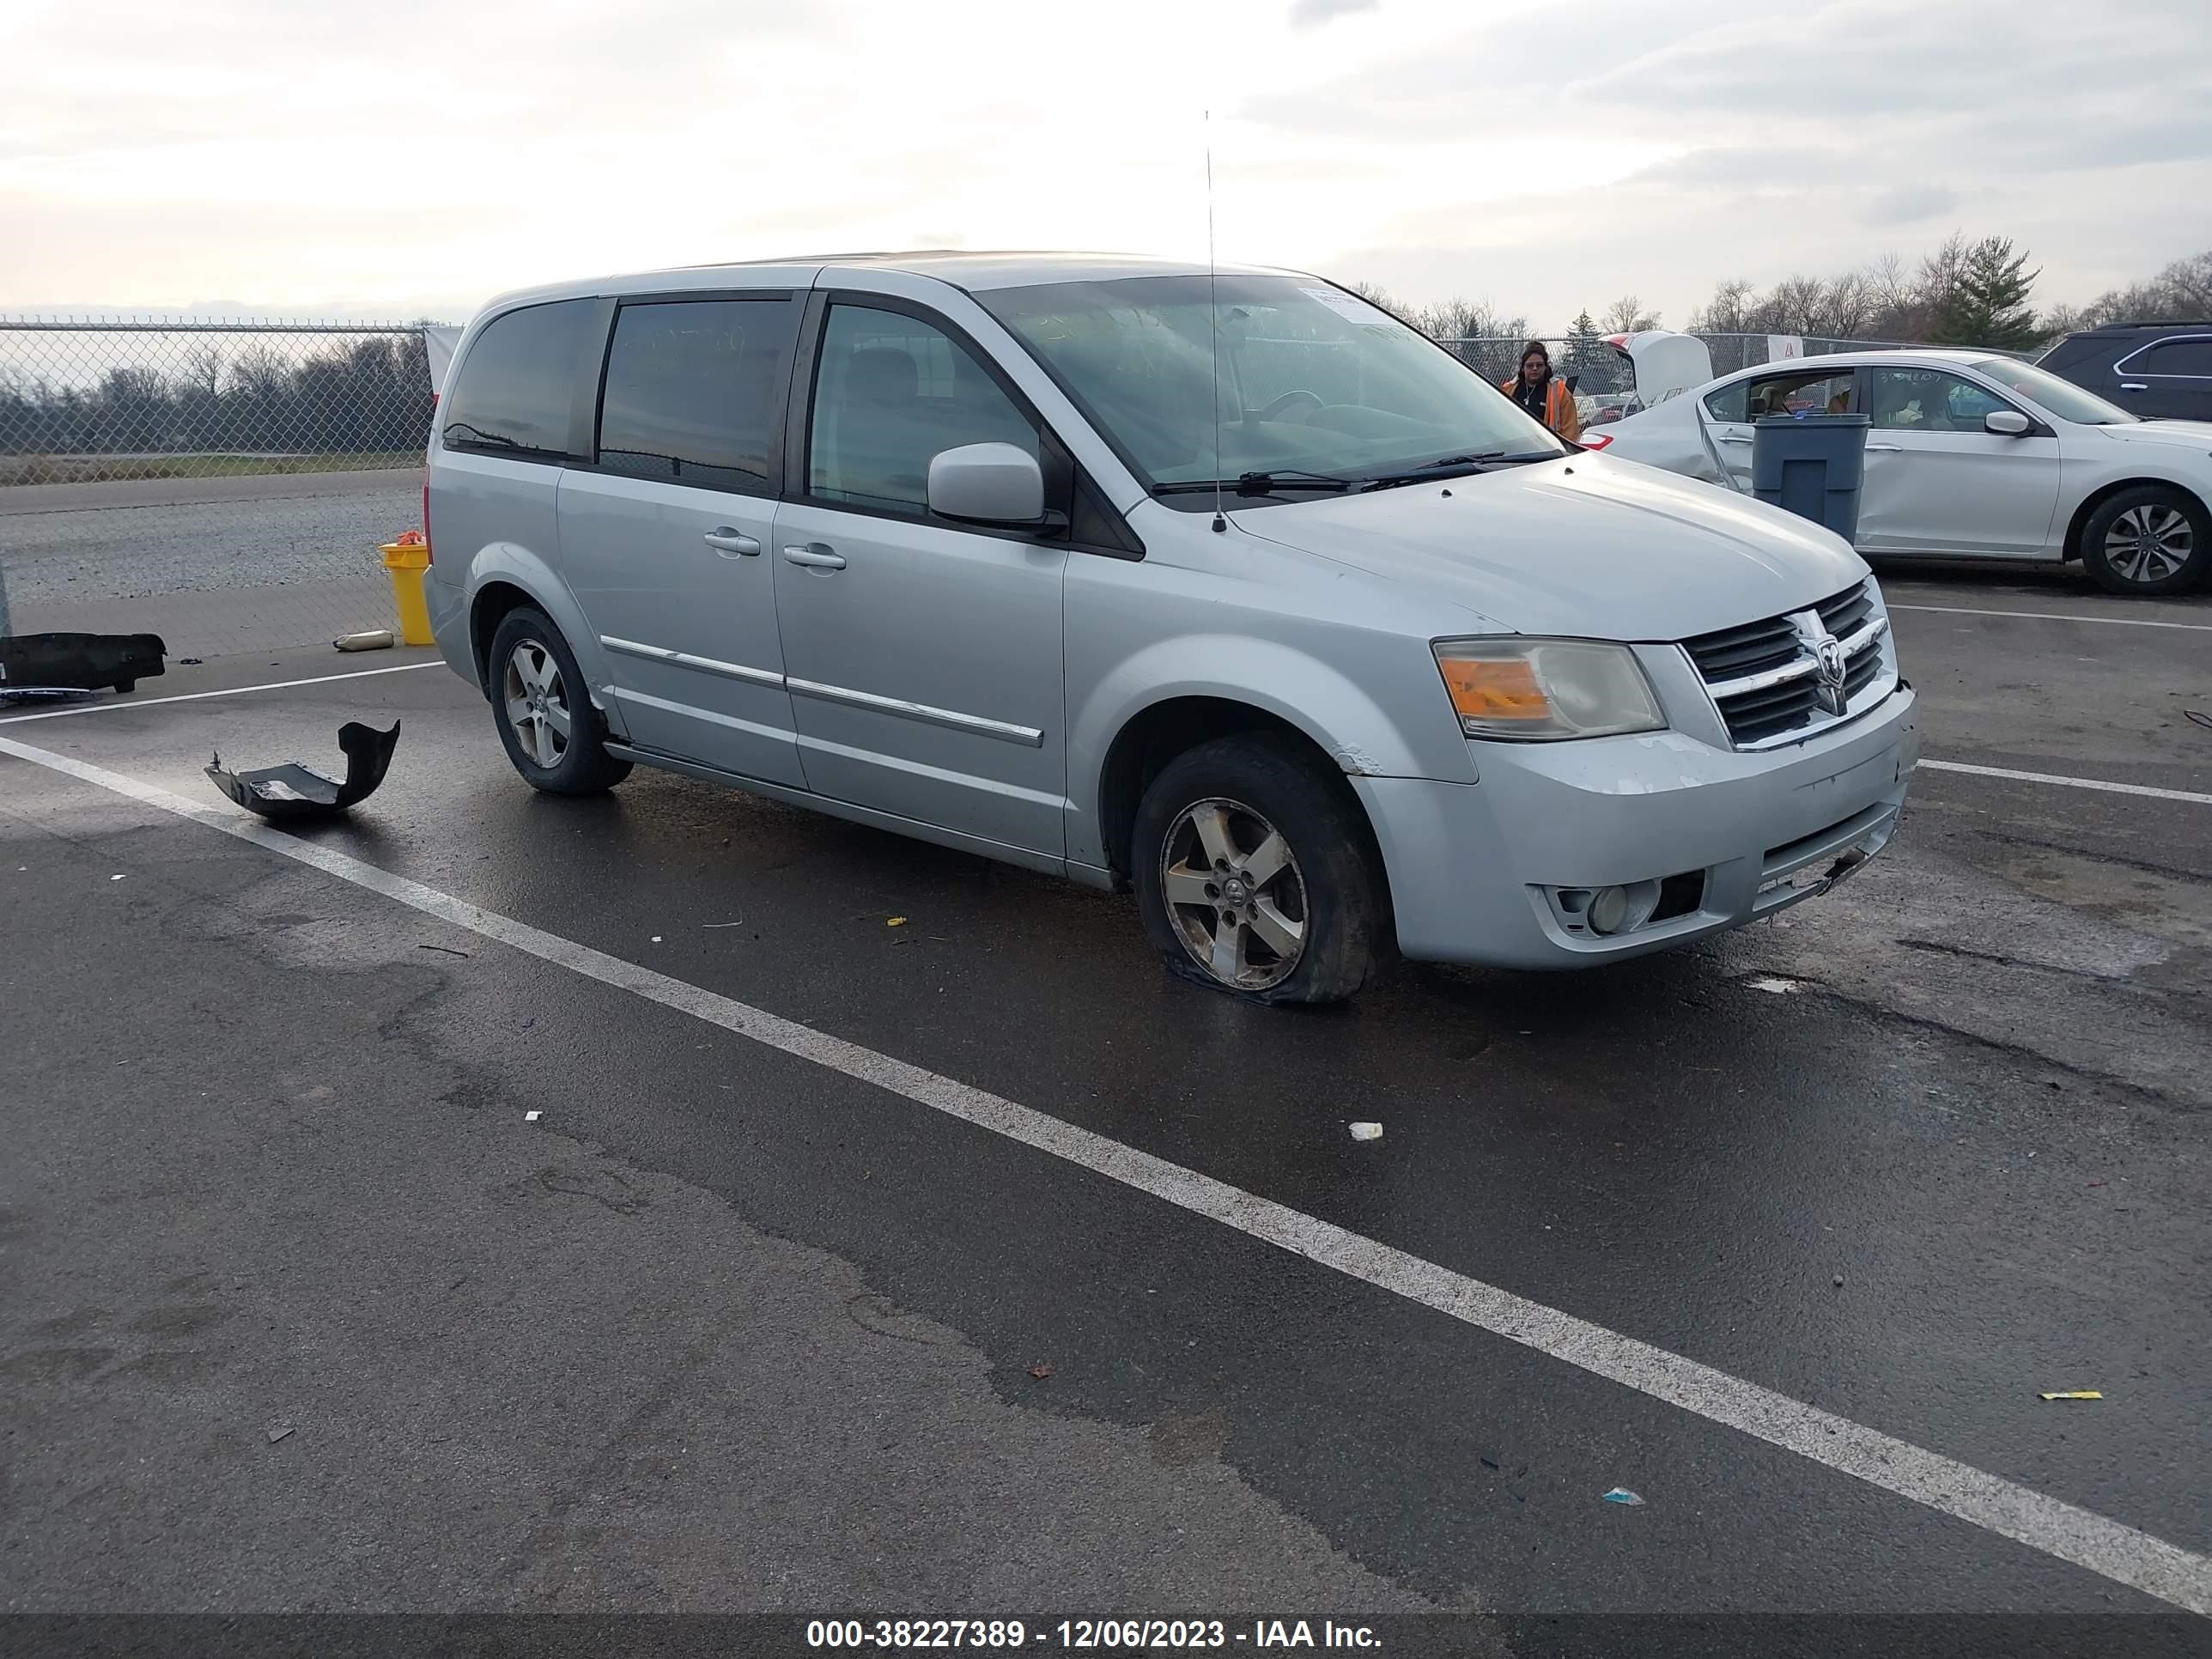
(1586, 355)
(1988, 303)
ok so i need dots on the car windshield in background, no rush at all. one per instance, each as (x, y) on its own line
(1315, 385)
(2064, 398)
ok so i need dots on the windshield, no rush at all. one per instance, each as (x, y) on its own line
(1314, 381)
(2064, 398)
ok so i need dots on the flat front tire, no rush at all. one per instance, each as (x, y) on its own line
(553, 735)
(1256, 876)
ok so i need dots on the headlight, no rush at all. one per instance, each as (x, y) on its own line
(1531, 689)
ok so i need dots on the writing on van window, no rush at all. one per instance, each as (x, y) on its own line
(893, 392)
(692, 388)
(516, 390)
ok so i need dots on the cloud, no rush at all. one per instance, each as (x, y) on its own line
(1311, 14)
(1904, 204)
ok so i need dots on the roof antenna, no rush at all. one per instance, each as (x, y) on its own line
(1213, 312)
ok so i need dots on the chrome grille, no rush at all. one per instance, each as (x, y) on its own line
(1764, 677)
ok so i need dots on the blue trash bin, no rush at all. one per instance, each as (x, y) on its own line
(1812, 465)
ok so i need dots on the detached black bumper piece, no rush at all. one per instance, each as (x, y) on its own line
(84, 662)
(294, 793)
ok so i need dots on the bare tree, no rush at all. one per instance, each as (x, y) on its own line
(1729, 311)
(1626, 315)
(1460, 318)
(2182, 293)
(203, 371)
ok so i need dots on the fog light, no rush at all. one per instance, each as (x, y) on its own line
(1609, 910)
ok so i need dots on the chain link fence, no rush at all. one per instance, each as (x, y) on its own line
(224, 484)
(85, 402)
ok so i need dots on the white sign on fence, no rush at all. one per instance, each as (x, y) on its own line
(1781, 347)
(438, 345)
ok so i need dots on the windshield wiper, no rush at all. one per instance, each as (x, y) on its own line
(1256, 483)
(1452, 464)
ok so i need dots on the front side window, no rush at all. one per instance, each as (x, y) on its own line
(516, 390)
(692, 390)
(1193, 379)
(2064, 398)
(1928, 400)
(891, 393)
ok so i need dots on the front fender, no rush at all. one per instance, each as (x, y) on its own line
(511, 564)
(1357, 731)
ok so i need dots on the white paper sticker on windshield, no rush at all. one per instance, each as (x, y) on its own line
(1349, 305)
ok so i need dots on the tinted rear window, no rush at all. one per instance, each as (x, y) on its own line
(693, 389)
(2190, 356)
(516, 390)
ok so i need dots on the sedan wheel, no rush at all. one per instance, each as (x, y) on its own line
(2147, 539)
(537, 699)
(2149, 543)
(1234, 894)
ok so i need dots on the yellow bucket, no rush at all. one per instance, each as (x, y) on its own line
(406, 564)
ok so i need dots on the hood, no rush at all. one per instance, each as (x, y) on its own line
(2186, 435)
(1586, 546)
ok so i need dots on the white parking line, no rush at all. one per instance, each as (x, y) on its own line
(2056, 616)
(2103, 1545)
(228, 691)
(2191, 796)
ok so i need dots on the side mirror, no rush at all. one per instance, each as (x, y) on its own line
(986, 484)
(2007, 423)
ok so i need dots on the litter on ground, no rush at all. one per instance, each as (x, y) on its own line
(2076, 1393)
(1622, 1495)
(1781, 987)
(1367, 1131)
(532, 1117)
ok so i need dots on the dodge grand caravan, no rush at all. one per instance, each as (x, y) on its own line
(1224, 586)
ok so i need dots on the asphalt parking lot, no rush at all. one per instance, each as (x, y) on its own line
(506, 1203)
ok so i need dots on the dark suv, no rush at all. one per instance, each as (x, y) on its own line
(2161, 371)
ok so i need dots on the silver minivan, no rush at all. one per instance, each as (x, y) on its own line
(1222, 586)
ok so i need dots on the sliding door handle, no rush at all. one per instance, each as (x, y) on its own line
(814, 557)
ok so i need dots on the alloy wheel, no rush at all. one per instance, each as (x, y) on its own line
(537, 700)
(1235, 894)
(2148, 544)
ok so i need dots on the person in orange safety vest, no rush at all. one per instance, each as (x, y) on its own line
(1543, 393)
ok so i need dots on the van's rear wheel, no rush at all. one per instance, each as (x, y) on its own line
(1254, 876)
(554, 736)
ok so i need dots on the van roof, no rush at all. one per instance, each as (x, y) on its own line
(973, 271)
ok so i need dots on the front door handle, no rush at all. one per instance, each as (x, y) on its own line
(724, 539)
(814, 557)
(1735, 438)
(1887, 449)
(2133, 386)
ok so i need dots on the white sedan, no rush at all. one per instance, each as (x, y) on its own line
(1967, 454)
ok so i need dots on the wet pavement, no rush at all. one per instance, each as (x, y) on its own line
(724, 1329)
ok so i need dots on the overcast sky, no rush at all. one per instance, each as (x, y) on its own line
(419, 155)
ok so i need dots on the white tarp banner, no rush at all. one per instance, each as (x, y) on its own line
(438, 344)
(1780, 348)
